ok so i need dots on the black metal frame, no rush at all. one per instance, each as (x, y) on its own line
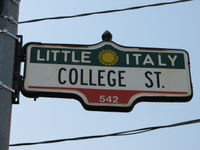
(19, 57)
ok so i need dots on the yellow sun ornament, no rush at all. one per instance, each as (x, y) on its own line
(108, 57)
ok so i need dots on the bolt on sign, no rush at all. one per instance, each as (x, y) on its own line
(107, 76)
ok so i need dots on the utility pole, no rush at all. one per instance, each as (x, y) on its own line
(9, 10)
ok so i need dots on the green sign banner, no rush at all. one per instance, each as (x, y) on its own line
(107, 56)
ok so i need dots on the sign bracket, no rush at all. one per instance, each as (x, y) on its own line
(17, 78)
(6, 87)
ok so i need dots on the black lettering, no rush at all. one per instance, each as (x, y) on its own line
(111, 82)
(60, 74)
(100, 77)
(73, 76)
(158, 78)
(82, 78)
(121, 77)
(147, 75)
(90, 76)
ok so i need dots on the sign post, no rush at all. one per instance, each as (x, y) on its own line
(9, 12)
(107, 76)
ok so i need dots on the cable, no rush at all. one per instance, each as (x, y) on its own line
(103, 12)
(123, 133)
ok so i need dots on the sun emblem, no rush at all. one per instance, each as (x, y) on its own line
(108, 57)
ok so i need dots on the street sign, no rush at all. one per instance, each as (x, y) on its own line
(107, 76)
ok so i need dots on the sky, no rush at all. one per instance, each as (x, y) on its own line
(173, 26)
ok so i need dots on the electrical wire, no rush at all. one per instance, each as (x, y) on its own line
(103, 12)
(123, 133)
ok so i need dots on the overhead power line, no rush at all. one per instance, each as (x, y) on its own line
(103, 12)
(123, 133)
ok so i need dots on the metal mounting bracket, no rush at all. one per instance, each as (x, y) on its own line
(6, 32)
(17, 67)
(6, 87)
(16, 2)
(10, 19)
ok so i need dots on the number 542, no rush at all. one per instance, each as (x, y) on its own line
(108, 99)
